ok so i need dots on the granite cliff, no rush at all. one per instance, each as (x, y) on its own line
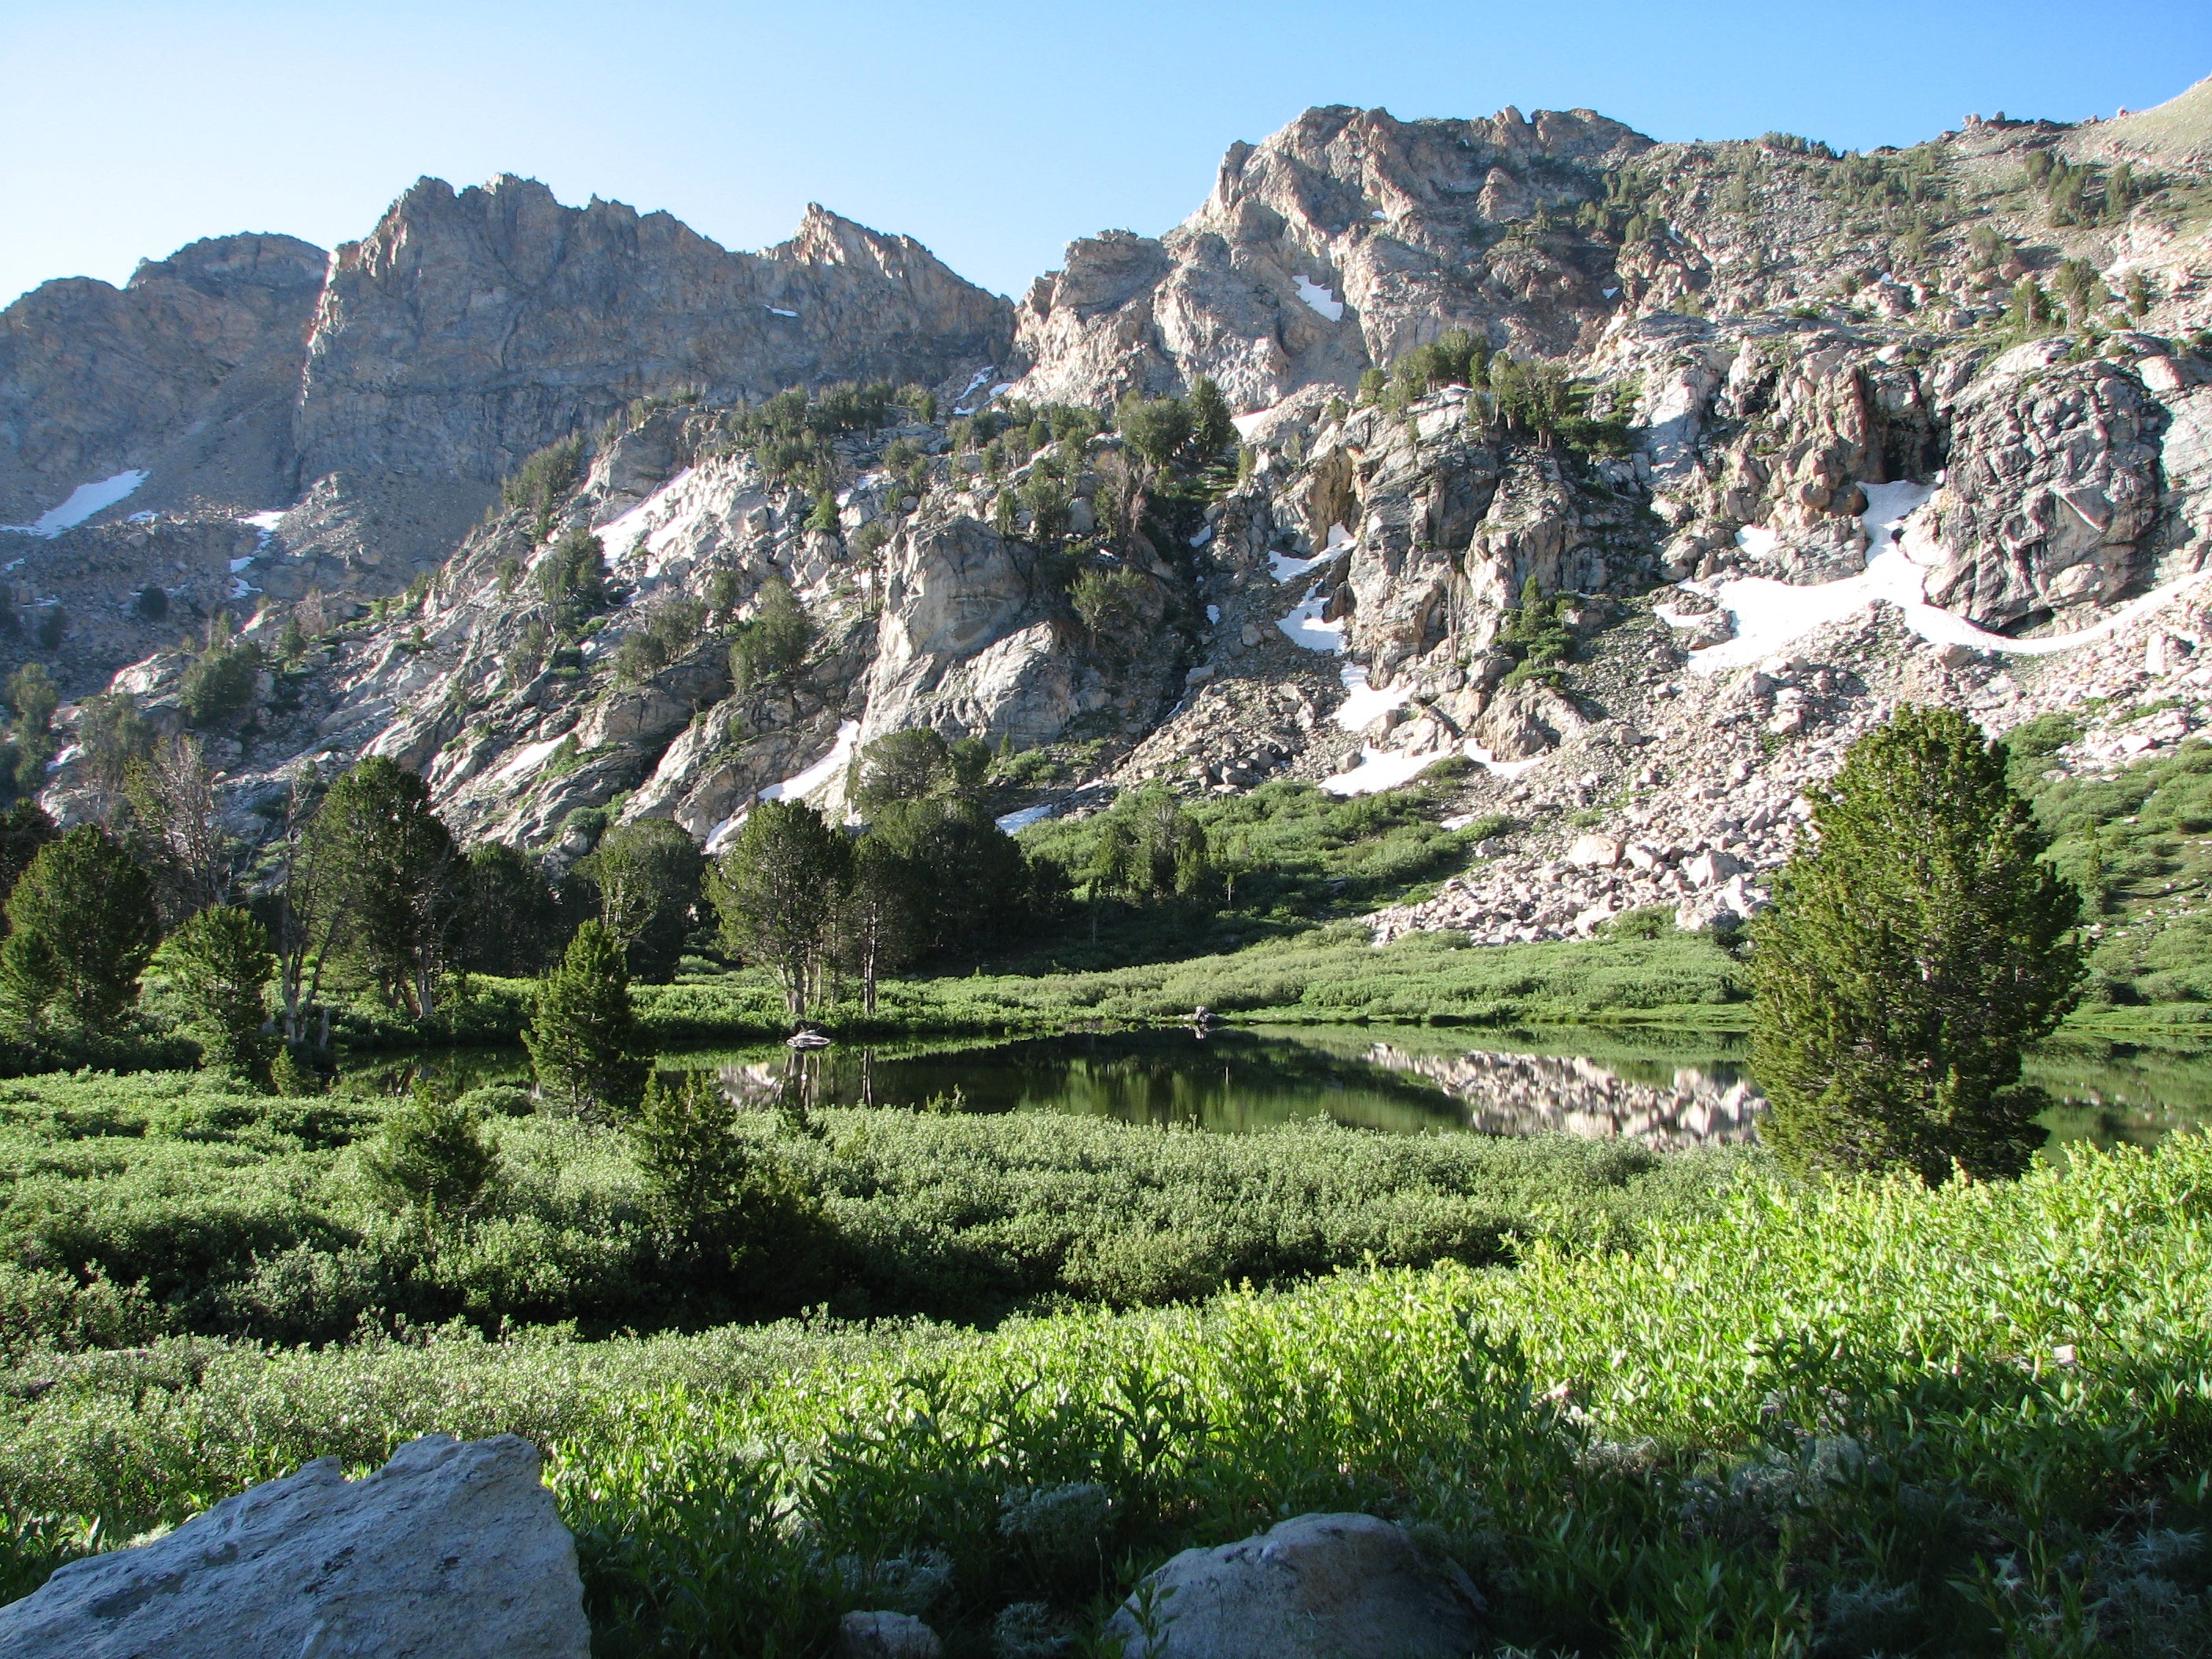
(1638, 476)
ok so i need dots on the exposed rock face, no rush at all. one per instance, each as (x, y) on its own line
(381, 393)
(2053, 480)
(472, 327)
(968, 643)
(186, 372)
(450, 1550)
(1342, 240)
(1315, 1587)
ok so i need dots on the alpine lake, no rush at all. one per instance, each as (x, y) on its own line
(1664, 1088)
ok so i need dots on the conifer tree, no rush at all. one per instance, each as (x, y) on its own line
(1211, 429)
(585, 1047)
(393, 862)
(432, 1155)
(81, 929)
(777, 888)
(1913, 950)
(221, 963)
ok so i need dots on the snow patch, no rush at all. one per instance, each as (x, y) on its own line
(525, 760)
(83, 501)
(621, 533)
(1284, 568)
(1205, 535)
(982, 377)
(800, 785)
(1303, 627)
(778, 311)
(266, 522)
(1213, 613)
(1482, 757)
(1010, 822)
(237, 565)
(1757, 540)
(1364, 704)
(1246, 425)
(1770, 615)
(1321, 299)
(1001, 389)
(1377, 770)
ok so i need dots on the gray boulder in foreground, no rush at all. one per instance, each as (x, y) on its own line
(453, 1550)
(1316, 1587)
(886, 1636)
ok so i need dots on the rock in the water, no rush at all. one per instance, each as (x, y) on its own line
(1316, 1587)
(885, 1635)
(453, 1550)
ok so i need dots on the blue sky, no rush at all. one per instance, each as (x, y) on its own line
(993, 132)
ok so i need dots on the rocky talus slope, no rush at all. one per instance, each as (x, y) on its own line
(1829, 433)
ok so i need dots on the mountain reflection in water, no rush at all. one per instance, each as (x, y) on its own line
(1241, 1079)
(1518, 1094)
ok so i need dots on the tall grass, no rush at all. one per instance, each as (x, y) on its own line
(143, 1206)
(1851, 1419)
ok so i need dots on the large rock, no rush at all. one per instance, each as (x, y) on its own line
(1530, 720)
(2053, 480)
(1316, 1587)
(885, 1635)
(968, 643)
(453, 1550)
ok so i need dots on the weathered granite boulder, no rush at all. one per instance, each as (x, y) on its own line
(885, 1635)
(2053, 482)
(1316, 1587)
(453, 1550)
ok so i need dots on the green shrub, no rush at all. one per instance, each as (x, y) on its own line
(220, 683)
(432, 1155)
(1850, 1416)
(775, 641)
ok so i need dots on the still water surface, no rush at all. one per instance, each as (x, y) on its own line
(1666, 1090)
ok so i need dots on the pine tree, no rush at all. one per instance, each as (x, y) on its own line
(393, 862)
(777, 888)
(220, 963)
(81, 929)
(585, 1047)
(1912, 952)
(649, 874)
(431, 1155)
(1211, 429)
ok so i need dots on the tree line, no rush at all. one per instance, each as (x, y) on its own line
(364, 890)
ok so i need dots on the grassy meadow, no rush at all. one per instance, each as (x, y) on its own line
(1852, 1419)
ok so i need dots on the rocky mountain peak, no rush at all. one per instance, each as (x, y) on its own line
(219, 265)
(1340, 242)
(1606, 471)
